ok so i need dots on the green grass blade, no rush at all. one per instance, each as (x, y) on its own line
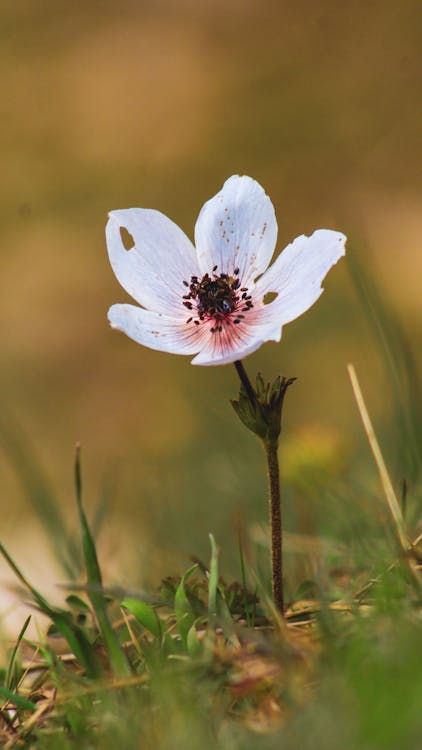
(76, 638)
(78, 604)
(243, 577)
(184, 615)
(387, 485)
(218, 609)
(213, 581)
(117, 657)
(145, 615)
(9, 678)
(106, 495)
(193, 644)
(17, 700)
(38, 598)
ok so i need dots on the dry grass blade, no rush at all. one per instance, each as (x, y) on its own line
(387, 485)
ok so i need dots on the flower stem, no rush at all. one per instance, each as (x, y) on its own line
(264, 418)
(275, 522)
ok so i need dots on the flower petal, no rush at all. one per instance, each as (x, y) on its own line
(237, 229)
(297, 274)
(233, 342)
(152, 272)
(155, 330)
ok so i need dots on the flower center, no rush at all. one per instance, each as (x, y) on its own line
(217, 297)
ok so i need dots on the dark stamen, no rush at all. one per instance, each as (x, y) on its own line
(216, 299)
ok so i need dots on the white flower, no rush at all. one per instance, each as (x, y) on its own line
(213, 301)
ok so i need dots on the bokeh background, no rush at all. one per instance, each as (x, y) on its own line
(133, 103)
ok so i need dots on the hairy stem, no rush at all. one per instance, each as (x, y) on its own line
(270, 412)
(275, 522)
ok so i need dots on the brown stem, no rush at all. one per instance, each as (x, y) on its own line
(276, 522)
(271, 448)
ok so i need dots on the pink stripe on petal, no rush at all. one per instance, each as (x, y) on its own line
(232, 343)
(157, 331)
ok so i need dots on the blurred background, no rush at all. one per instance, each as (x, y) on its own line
(133, 103)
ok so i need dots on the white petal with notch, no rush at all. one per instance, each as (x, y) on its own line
(297, 274)
(152, 272)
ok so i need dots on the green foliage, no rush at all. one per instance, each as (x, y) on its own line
(207, 664)
(200, 670)
(63, 621)
(183, 608)
(94, 581)
(16, 699)
(145, 616)
(12, 671)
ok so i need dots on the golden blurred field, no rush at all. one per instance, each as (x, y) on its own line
(115, 104)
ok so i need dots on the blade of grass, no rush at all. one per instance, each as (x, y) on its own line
(17, 700)
(182, 607)
(145, 615)
(399, 361)
(132, 636)
(10, 667)
(213, 581)
(117, 657)
(243, 576)
(107, 493)
(76, 638)
(387, 485)
(268, 605)
(193, 644)
(217, 605)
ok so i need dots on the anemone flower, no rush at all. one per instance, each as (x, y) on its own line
(218, 300)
